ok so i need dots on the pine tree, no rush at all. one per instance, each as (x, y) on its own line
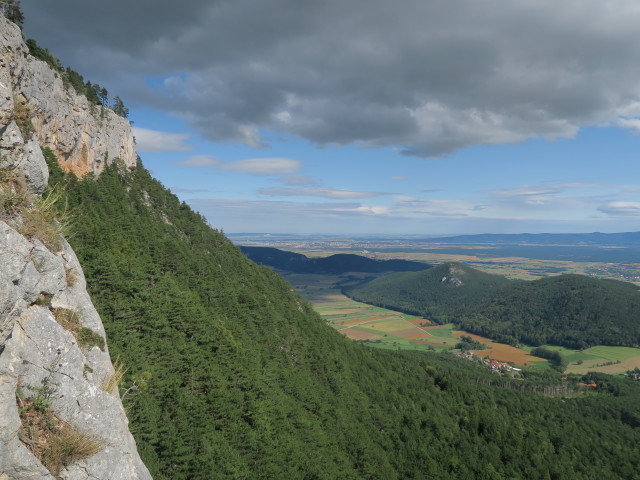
(12, 11)
(119, 108)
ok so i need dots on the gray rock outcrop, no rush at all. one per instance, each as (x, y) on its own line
(46, 314)
(37, 350)
(85, 137)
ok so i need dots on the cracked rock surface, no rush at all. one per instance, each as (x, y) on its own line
(35, 347)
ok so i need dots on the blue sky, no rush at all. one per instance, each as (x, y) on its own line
(421, 117)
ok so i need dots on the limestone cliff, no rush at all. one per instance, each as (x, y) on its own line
(83, 136)
(56, 374)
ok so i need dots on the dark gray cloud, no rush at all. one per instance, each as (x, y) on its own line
(426, 76)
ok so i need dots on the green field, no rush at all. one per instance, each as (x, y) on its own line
(601, 358)
(388, 329)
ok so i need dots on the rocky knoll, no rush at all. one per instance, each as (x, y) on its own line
(61, 415)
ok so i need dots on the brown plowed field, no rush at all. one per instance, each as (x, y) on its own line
(363, 320)
(502, 352)
(410, 333)
(419, 321)
(359, 334)
(343, 311)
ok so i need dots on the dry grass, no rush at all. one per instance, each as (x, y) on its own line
(34, 219)
(70, 276)
(54, 442)
(44, 222)
(22, 115)
(13, 194)
(111, 383)
(38, 425)
(70, 320)
(67, 446)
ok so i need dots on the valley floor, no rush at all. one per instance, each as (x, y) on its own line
(388, 329)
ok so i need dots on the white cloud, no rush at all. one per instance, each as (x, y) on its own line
(297, 180)
(632, 124)
(621, 208)
(371, 210)
(151, 141)
(262, 166)
(197, 161)
(317, 192)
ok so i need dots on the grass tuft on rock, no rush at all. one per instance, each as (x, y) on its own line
(70, 320)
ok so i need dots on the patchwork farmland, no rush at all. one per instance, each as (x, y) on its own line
(388, 329)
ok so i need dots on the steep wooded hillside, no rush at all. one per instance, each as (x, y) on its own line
(232, 375)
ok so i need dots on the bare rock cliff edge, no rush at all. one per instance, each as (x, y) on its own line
(84, 136)
(56, 375)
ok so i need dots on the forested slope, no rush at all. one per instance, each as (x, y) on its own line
(237, 377)
(570, 310)
(443, 292)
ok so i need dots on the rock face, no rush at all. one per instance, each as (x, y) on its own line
(84, 137)
(453, 277)
(51, 337)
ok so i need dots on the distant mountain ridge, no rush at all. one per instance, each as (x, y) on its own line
(623, 239)
(335, 264)
(570, 310)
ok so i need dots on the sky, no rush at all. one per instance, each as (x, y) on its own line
(373, 117)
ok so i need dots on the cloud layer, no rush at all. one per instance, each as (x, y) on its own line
(151, 141)
(428, 77)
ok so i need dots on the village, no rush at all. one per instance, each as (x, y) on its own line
(500, 368)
